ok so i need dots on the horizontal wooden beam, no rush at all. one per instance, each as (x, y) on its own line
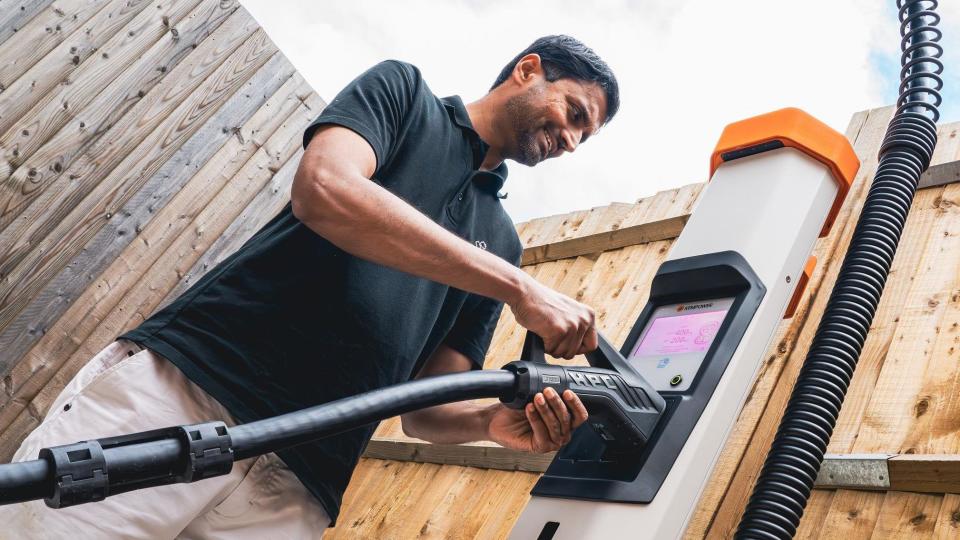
(935, 175)
(605, 241)
(482, 455)
(938, 175)
(931, 473)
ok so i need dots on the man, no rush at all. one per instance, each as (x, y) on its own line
(392, 261)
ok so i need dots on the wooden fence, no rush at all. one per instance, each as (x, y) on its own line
(140, 143)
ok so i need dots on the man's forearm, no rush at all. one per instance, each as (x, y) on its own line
(368, 221)
(333, 195)
(453, 423)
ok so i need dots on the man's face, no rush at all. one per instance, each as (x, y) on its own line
(548, 118)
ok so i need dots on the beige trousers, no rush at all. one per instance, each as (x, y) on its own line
(126, 389)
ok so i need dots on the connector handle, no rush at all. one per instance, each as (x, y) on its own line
(533, 349)
(605, 356)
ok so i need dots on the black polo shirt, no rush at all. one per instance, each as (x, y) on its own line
(290, 320)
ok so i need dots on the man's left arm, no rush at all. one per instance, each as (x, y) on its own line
(543, 426)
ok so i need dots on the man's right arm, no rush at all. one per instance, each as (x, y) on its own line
(333, 195)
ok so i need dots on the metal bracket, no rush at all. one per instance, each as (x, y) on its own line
(859, 471)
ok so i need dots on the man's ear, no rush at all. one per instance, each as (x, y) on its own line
(527, 70)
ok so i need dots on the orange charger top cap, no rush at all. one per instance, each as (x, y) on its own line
(796, 129)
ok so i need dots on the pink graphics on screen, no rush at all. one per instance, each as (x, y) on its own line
(681, 334)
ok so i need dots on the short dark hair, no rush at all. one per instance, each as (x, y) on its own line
(564, 57)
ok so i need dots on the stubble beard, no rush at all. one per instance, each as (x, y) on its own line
(522, 117)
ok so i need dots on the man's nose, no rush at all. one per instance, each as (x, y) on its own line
(571, 139)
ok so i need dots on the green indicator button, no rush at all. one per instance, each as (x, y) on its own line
(676, 380)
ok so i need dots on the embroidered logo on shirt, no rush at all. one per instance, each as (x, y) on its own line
(481, 244)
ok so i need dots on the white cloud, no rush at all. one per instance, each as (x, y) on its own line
(686, 68)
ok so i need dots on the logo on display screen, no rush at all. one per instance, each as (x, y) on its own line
(682, 307)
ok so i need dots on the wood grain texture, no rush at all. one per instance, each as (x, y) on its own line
(104, 178)
(938, 175)
(883, 331)
(133, 135)
(105, 86)
(229, 122)
(104, 295)
(815, 512)
(55, 68)
(16, 13)
(852, 515)
(44, 32)
(140, 300)
(605, 241)
(899, 400)
(925, 473)
(907, 516)
(894, 404)
(85, 150)
(482, 455)
(948, 522)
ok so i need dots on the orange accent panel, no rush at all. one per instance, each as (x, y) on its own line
(801, 285)
(795, 129)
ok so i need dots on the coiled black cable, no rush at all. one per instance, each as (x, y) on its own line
(784, 485)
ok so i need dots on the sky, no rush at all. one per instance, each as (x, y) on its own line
(686, 68)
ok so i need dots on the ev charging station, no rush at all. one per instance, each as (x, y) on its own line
(778, 181)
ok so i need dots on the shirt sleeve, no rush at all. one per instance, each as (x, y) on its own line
(473, 330)
(374, 106)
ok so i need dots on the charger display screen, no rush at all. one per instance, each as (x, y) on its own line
(686, 333)
(676, 340)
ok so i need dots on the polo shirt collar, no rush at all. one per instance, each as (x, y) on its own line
(493, 180)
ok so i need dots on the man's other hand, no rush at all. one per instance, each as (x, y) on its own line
(543, 426)
(566, 326)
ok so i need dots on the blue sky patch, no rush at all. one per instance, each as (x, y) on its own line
(887, 66)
